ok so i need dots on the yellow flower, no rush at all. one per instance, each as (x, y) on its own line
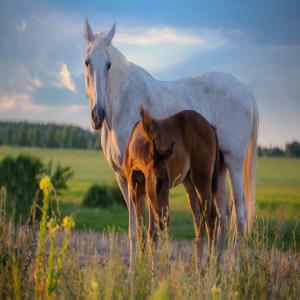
(215, 293)
(68, 223)
(46, 185)
(52, 225)
(94, 285)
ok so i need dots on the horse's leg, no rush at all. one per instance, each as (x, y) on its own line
(131, 215)
(222, 208)
(235, 168)
(194, 203)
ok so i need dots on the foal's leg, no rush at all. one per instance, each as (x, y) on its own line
(194, 203)
(152, 227)
(140, 211)
(152, 237)
(203, 186)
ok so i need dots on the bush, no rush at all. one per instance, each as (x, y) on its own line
(103, 196)
(21, 176)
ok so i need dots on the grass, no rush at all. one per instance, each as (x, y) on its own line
(88, 264)
(91, 265)
(278, 190)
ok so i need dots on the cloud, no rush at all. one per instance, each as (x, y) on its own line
(21, 27)
(20, 106)
(155, 36)
(33, 82)
(158, 48)
(65, 80)
(7, 102)
(19, 102)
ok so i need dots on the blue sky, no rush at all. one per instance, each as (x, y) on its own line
(42, 49)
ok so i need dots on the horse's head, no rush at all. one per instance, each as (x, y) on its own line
(97, 65)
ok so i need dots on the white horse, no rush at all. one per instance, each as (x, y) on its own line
(116, 89)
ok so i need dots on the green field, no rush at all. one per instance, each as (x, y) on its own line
(278, 190)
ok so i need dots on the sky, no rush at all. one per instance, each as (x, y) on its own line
(42, 50)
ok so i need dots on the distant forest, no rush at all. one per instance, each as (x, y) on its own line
(52, 135)
(291, 150)
(47, 135)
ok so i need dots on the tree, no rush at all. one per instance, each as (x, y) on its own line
(66, 137)
(21, 176)
(292, 149)
(36, 136)
(23, 135)
(47, 135)
(51, 142)
(8, 134)
(74, 138)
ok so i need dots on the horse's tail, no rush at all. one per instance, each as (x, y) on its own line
(249, 171)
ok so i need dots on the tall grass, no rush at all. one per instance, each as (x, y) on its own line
(63, 264)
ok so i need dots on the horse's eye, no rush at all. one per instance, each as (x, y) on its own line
(86, 62)
(108, 65)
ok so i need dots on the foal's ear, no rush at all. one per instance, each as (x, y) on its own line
(88, 33)
(148, 123)
(110, 35)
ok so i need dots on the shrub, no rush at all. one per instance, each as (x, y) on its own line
(104, 196)
(21, 175)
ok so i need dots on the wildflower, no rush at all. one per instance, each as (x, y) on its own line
(68, 223)
(95, 290)
(52, 226)
(94, 285)
(46, 185)
(215, 293)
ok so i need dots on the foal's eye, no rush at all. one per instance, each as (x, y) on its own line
(108, 65)
(159, 185)
(86, 62)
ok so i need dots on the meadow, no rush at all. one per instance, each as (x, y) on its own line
(278, 191)
(92, 262)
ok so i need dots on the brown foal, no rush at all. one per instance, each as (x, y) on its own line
(162, 153)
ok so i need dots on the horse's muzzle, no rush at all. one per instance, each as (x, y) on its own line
(98, 115)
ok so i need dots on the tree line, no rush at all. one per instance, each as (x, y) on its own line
(51, 135)
(290, 150)
(48, 135)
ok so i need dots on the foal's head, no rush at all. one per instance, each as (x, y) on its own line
(158, 178)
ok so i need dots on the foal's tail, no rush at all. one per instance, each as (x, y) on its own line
(217, 166)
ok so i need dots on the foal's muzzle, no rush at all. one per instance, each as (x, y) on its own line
(98, 115)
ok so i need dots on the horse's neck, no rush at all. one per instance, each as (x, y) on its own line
(122, 110)
(118, 79)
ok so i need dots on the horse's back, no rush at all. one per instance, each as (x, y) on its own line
(195, 143)
(189, 124)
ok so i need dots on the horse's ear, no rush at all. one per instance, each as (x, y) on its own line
(148, 123)
(88, 33)
(110, 35)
